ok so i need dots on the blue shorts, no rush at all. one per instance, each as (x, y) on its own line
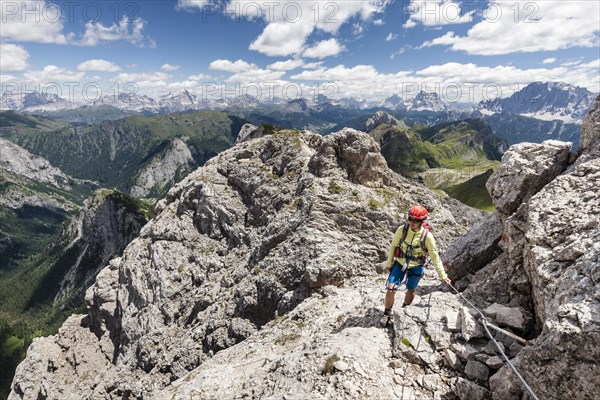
(396, 277)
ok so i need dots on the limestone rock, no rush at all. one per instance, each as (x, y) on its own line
(238, 248)
(380, 117)
(589, 143)
(469, 253)
(245, 132)
(514, 317)
(470, 328)
(477, 371)
(19, 161)
(494, 362)
(525, 169)
(467, 390)
(163, 170)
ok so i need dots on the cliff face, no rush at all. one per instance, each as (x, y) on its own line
(107, 223)
(541, 252)
(240, 242)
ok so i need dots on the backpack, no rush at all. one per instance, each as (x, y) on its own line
(398, 253)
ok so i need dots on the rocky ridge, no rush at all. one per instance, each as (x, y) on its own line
(106, 224)
(257, 232)
(17, 160)
(240, 288)
(541, 256)
(162, 170)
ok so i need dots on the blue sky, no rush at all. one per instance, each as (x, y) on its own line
(369, 49)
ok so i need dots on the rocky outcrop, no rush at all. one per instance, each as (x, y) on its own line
(162, 171)
(381, 117)
(107, 223)
(19, 161)
(548, 267)
(245, 132)
(472, 251)
(256, 236)
(526, 169)
(589, 147)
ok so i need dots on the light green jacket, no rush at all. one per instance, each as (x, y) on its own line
(414, 238)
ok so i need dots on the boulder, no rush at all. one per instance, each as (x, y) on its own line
(467, 390)
(472, 251)
(515, 317)
(477, 371)
(470, 328)
(525, 169)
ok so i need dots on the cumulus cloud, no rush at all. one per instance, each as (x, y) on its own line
(228, 66)
(547, 25)
(281, 39)
(126, 30)
(169, 67)
(52, 73)
(42, 21)
(463, 82)
(551, 60)
(142, 77)
(325, 48)
(290, 23)
(98, 65)
(14, 58)
(200, 77)
(436, 12)
(287, 65)
(32, 21)
(258, 76)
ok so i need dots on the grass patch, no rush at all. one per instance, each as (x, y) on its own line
(283, 339)
(328, 368)
(405, 342)
(374, 204)
(473, 192)
(334, 188)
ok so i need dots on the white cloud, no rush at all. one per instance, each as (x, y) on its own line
(314, 65)
(339, 73)
(378, 22)
(32, 21)
(400, 51)
(282, 39)
(290, 22)
(98, 65)
(436, 12)
(551, 60)
(142, 77)
(228, 66)
(287, 65)
(452, 81)
(96, 33)
(169, 67)
(200, 77)
(545, 26)
(391, 36)
(325, 48)
(52, 73)
(14, 58)
(258, 76)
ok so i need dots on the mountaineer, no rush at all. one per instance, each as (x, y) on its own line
(412, 248)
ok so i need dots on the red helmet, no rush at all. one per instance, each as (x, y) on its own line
(418, 212)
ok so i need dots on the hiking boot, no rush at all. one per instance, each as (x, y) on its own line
(387, 320)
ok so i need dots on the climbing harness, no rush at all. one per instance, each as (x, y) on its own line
(485, 324)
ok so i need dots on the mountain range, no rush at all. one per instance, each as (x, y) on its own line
(549, 101)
